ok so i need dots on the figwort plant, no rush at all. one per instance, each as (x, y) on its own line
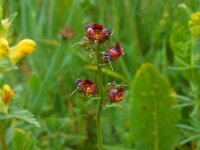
(96, 36)
(9, 56)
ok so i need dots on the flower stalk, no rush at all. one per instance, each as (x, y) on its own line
(100, 99)
(96, 35)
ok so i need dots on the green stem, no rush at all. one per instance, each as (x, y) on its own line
(99, 131)
(2, 137)
(100, 100)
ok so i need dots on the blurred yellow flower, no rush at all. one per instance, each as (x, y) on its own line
(7, 94)
(4, 47)
(22, 49)
(194, 24)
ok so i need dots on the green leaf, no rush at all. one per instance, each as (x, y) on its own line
(5, 25)
(11, 18)
(19, 113)
(153, 120)
(21, 140)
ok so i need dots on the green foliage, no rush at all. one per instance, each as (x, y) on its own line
(187, 58)
(22, 141)
(6, 65)
(5, 25)
(150, 30)
(153, 119)
(16, 112)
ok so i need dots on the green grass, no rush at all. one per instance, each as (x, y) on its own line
(45, 79)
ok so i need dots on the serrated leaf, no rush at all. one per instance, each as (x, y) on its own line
(19, 113)
(153, 119)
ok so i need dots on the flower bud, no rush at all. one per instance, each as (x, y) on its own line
(86, 44)
(116, 95)
(22, 49)
(105, 56)
(115, 52)
(112, 54)
(7, 95)
(111, 85)
(4, 47)
(66, 33)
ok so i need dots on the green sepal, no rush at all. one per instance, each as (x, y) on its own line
(6, 65)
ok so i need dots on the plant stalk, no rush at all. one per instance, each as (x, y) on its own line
(100, 100)
(2, 137)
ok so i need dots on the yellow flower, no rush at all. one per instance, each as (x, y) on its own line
(4, 47)
(194, 24)
(22, 49)
(7, 94)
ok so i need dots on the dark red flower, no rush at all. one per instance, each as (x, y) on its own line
(115, 52)
(116, 95)
(97, 33)
(87, 87)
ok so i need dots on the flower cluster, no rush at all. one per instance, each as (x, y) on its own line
(194, 24)
(10, 55)
(22, 49)
(88, 88)
(96, 35)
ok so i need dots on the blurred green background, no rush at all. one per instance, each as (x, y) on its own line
(46, 78)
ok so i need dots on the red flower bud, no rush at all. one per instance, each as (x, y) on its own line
(115, 52)
(105, 56)
(116, 95)
(97, 33)
(86, 87)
